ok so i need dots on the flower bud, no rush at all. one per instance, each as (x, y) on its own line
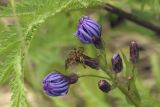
(55, 84)
(117, 65)
(73, 78)
(91, 62)
(104, 86)
(134, 52)
(89, 32)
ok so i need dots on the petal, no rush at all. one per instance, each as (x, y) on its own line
(56, 79)
(85, 17)
(64, 93)
(98, 32)
(84, 39)
(62, 89)
(88, 30)
(81, 37)
(91, 31)
(56, 83)
(95, 23)
(50, 93)
(59, 85)
(88, 37)
(53, 74)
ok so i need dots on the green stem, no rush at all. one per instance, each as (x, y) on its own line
(133, 71)
(125, 92)
(120, 87)
(96, 76)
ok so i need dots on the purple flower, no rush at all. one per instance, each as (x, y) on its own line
(55, 84)
(134, 52)
(117, 65)
(89, 31)
(104, 86)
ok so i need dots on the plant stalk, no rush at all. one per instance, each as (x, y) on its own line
(131, 17)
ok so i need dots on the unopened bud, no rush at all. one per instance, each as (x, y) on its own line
(117, 65)
(104, 86)
(134, 52)
(91, 62)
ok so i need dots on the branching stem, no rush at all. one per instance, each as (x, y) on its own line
(131, 17)
(96, 76)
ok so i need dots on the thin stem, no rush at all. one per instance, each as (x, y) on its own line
(20, 35)
(125, 92)
(133, 71)
(119, 86)
(96, 76)
(107, 72)
(131, 17)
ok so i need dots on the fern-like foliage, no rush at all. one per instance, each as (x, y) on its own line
(12, 52)
(11, 68)
(31, 14)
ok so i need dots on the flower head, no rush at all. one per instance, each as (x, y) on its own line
(104, 86)
(89, 31)
(134, 52)
(55, 84)
(117, 65)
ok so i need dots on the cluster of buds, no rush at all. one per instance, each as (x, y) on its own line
(117, 64)
(88, 32)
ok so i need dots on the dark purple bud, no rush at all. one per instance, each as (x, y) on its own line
(55, 84)
(134, 52)
(91, 62)
(97, 43)
(73, 78)
(89, 32)
(104, 86)
(117, 65)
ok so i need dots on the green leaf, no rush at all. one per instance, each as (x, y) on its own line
(17, 85)
(35, 13)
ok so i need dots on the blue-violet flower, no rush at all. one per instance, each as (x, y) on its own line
(89, 31)
(57, 84)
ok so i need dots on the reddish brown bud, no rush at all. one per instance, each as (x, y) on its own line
(134, 52)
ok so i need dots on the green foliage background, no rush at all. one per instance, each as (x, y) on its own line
(36, 43)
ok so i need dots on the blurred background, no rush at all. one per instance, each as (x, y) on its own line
(54, 38)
